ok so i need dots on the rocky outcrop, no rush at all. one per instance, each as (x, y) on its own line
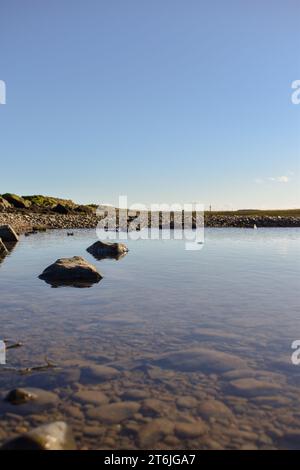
(102, 250)
(7, 234)
(71, 271)
(4, 204)
(52, 436)
(16, 201)
(61, 209)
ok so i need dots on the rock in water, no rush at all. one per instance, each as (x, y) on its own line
(102, 250)
(200, 359)
(252, 387)
(71, 271)
(52, 436)
(3, 249)
(97, 373)
(114, 413)
(8, 234)
(20, 396)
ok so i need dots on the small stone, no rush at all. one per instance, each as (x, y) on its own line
(253, 387)
(190, 430)
(97, 373)
(91, 396)
(187, 402)
(20, 396)
(152, 406)
(114, 413)
(134, 394)
(101, 250)
(214, 409)
(154, 431)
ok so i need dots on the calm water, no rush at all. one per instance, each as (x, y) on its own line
(198, 343)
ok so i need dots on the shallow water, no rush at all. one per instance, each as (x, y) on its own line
(199, 341)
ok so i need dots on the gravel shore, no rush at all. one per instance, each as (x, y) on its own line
(24, 221)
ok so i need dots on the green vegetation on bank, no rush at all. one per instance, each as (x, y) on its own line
(40, 203)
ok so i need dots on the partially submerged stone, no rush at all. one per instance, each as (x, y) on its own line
(101, 250)
(52, 436)
(7, 234)
(3, 249)
(74, 271)
(20, 396)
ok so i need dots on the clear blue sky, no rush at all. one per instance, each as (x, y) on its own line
(162, 100)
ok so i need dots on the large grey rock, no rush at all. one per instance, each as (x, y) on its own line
(74, 271)
(102, 250)
(52, 436)
(8, 234)
(3, 249)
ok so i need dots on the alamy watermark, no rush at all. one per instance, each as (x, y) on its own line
(295, 357)
(295, 97)
(157, 221)
(2, 92)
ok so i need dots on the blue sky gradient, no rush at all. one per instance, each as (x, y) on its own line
(161, 100)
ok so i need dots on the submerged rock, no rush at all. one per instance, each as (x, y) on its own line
(200, 359)
(252, 387)
(71, 271)
(101, 250)
(214, 409)
(97, 373)
(114, 413)
(52, 436)
(190, 430)
(95, 397)
(154, 431)
(7, 234)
